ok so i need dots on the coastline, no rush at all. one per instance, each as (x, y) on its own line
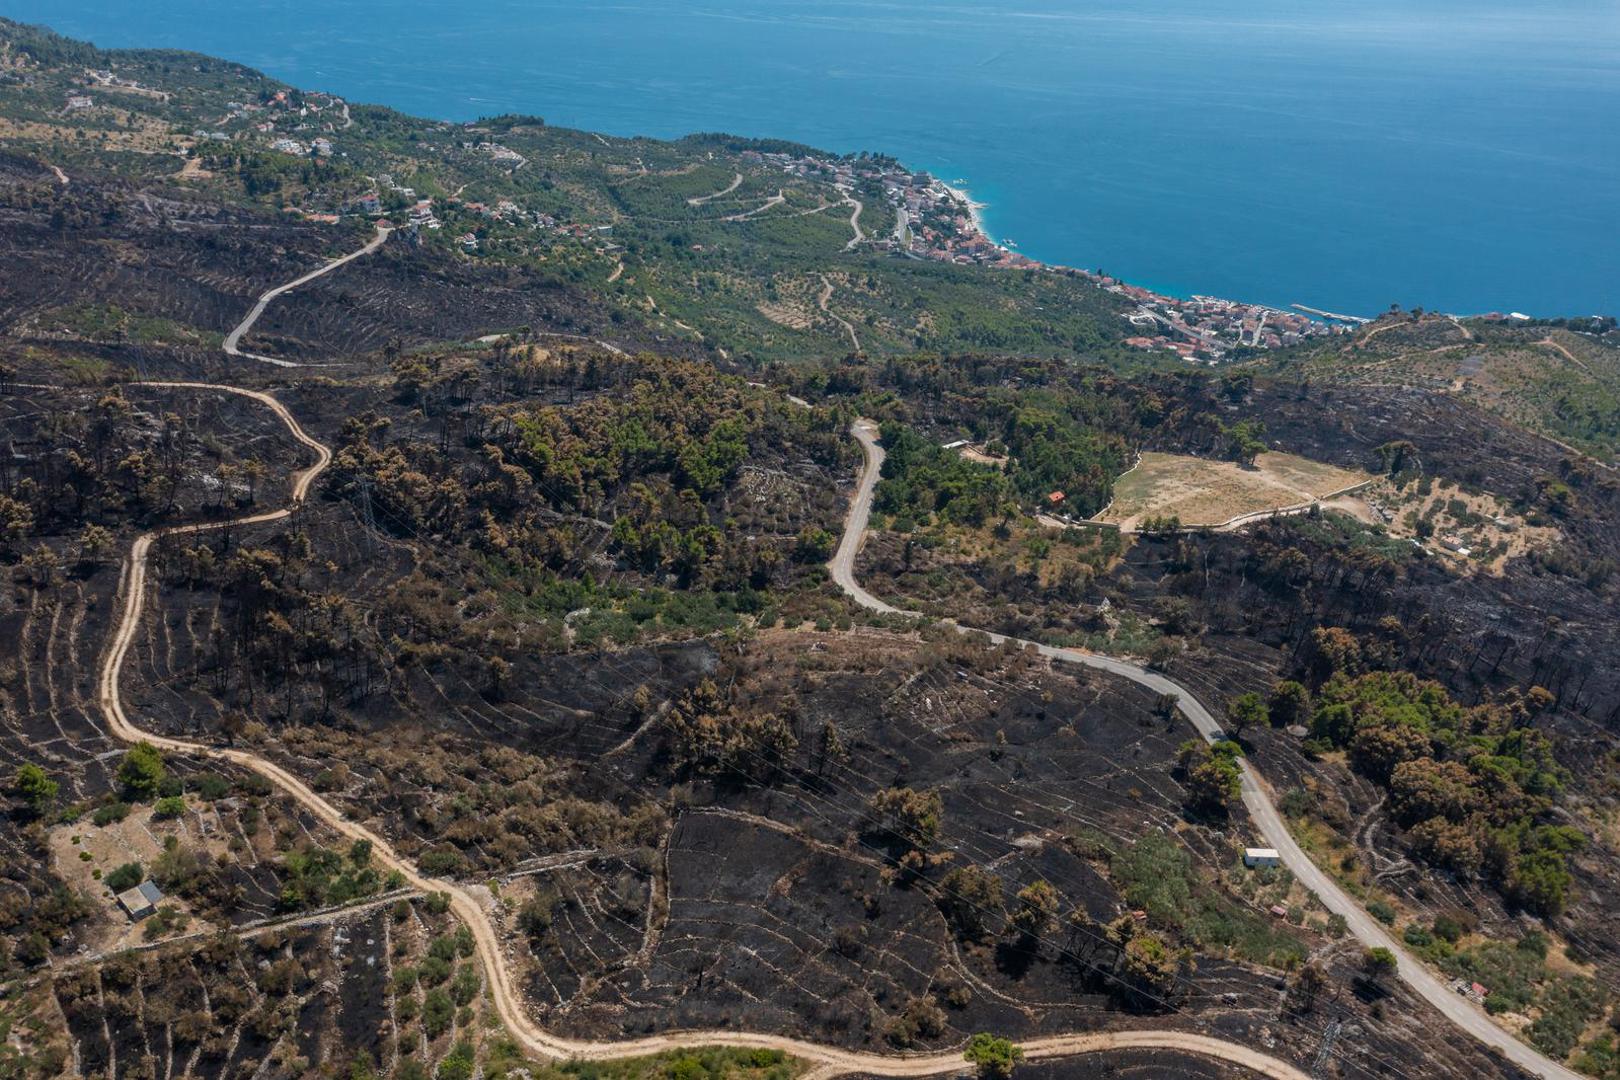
(975, 211)
(1198, 328)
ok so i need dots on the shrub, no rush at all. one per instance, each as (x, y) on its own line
(437, 1012)
(1567, 1007)
(466, 985)
(1378, 961)
(170, 806)
(458, 1064)
(127, 876)
(211, 786)
(35, 788)
(442, 862)
(108, 813)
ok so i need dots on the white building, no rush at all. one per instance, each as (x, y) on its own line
(1261, 856)
(141, 901)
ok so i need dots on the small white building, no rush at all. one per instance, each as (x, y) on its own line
(141, 901)
(1261, 856)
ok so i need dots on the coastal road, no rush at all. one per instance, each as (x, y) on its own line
(234, 338)
(505, 996)
(1256, 798)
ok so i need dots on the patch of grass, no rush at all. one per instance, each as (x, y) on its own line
(1510, 972)
(1156, 875)
(108, 322)
(1567, 1005)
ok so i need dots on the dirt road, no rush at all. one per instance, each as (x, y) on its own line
(699, 200)
(234, 338)
(849, 327)
(505, 996)
(855, 222)
(1256, 799)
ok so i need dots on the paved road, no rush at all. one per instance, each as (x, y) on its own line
(1256, 799)
(505, 996)
(234, 338)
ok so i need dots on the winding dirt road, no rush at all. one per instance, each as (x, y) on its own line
(1256, 798)
(699, 200)
(855, 222)
(849, 327)
(234, 338)
(505, 997)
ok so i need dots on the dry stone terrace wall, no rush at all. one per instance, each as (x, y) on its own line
(199, 265)
(322, 991)
(1015, 808)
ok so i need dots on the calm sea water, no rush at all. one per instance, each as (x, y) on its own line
(1458, 154)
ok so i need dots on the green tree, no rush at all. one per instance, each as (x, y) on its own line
(1149, 965)
(93, 544)
(35, 788)
(910, 816)
(1539, 881)
(1290, 704)
(1245, 441)
(141, 773)
(437, 1013)
(994, 1056)
(1246, 711)
(814, 545)
(1211, 777)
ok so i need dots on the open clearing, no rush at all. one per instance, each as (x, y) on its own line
(1199, 491)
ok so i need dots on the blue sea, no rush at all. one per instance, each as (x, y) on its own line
(1456, 154)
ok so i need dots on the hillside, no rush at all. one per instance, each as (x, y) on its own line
(567, 655)
(713, 245)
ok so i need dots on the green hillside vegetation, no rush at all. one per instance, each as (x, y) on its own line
(1474, 785)
(1558, 377)
(586, 208)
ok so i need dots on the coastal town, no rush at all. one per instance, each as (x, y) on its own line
(933, 220)
(938, 221)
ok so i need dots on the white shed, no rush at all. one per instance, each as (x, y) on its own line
(1261, 856)
(141, 901)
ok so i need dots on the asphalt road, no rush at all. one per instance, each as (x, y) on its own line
(1256, 798)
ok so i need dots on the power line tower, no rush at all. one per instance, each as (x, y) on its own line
(366, 512)
(1330, 1035)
